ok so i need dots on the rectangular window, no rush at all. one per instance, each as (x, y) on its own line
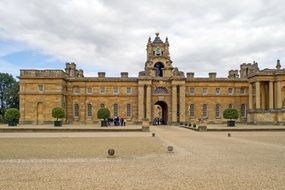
(192, 91)
(242, 91)
(89, 110)
(129, 110)
(192, 110)
(218, 91)
(76, 110)
(129, 90)
(243, 110)
(205, 111)
(205, 91)
(76, 90)
(115, 90)
(116, 110)
(230, 91)
(102, 90)
(218, 110)
(89, 90)
(41, 88)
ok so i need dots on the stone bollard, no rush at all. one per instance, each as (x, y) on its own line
(111, 153)
(153, 134)
(229, 135)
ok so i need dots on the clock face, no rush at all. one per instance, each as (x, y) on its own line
(157, 51)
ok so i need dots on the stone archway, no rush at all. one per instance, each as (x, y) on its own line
(159, 69)
(161, 113)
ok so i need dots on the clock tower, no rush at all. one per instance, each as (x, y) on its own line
(158, 62)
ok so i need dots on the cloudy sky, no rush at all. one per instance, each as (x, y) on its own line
(111, 35)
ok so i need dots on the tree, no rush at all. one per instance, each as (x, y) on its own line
(12, 115)
(231, 114)
(58, 113)
(9, 93)
(103, 113)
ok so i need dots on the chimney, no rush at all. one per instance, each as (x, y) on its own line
(101, 74)
(124, 74)
(190, 75)
(212, 75)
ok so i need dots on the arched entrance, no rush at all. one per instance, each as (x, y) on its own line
(160, 113)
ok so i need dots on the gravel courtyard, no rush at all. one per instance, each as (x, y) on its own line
(201, 160)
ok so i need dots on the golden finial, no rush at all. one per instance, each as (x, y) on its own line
(157, 34)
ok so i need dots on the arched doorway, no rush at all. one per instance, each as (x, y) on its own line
(158, 67)
(160, 113)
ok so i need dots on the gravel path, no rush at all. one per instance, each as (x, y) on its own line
(247, 160)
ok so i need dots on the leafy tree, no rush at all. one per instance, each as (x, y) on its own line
(103, 113)
(231, 113)
(9, 93)
(58, 113)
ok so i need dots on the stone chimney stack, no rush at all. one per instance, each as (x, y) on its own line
(124, 74)
(212, 75)
(101, 74)
(190, 75)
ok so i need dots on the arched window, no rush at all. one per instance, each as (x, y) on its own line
(218, 110)
(205, 111)
(158, 67)
(76, 110)
(116, 110)
(192, 110)
(161, 90)
(129, 110)
(89, 110)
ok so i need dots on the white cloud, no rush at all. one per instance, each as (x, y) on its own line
(111, 36)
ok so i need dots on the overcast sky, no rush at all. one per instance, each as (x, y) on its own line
(111, 35)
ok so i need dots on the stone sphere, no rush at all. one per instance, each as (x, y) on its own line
(111, 152)
(170, 148)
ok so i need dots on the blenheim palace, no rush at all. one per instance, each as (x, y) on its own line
(160, 93)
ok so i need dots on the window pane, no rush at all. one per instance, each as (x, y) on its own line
(89, 110)
(192, 110)
(116, 110)
(76, 110)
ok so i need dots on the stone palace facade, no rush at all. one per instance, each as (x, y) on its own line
(160, 93)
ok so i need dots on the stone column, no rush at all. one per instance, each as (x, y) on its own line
(270, 94)
(257, 94)
(140, 103)
(174, 104)
(182, 103)
(278, 89)
(250, 96)
(148, 102)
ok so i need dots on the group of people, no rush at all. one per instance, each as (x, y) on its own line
(116, 121)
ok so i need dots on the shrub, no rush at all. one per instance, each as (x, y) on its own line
(230, 113)
(103, 113)
(58, 113)
(12, 114)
